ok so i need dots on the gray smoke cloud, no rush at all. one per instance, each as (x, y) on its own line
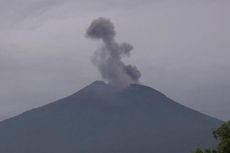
(108, 57)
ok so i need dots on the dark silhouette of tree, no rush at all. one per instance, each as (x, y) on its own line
(222, 135)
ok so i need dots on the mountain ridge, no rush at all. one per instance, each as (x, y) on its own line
(100, 118)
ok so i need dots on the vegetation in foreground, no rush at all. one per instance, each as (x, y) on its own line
(222, 135)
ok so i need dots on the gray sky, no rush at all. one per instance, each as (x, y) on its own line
(182, 48)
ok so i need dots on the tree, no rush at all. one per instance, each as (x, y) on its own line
(222, 135)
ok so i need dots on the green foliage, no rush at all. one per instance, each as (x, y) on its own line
(223, 132)
(222, 135)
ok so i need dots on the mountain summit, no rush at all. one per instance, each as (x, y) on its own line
(102, 119)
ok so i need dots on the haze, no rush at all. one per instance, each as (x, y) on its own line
(181, 47)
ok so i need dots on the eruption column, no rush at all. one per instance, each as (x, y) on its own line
(108, 58)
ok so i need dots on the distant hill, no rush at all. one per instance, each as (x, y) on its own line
(102, 119)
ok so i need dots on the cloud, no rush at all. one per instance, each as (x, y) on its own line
(108, 58)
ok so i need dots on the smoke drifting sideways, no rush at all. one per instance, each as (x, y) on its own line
(108, 57)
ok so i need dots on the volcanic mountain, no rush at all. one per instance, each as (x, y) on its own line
(103, 119)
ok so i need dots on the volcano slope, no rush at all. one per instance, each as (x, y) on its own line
(102, 119)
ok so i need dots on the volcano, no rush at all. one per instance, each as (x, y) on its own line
(103, 119)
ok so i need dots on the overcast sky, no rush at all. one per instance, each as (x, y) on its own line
(181, 47)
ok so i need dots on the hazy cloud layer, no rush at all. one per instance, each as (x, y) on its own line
(181, 48)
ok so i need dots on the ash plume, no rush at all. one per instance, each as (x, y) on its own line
(108, 57)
